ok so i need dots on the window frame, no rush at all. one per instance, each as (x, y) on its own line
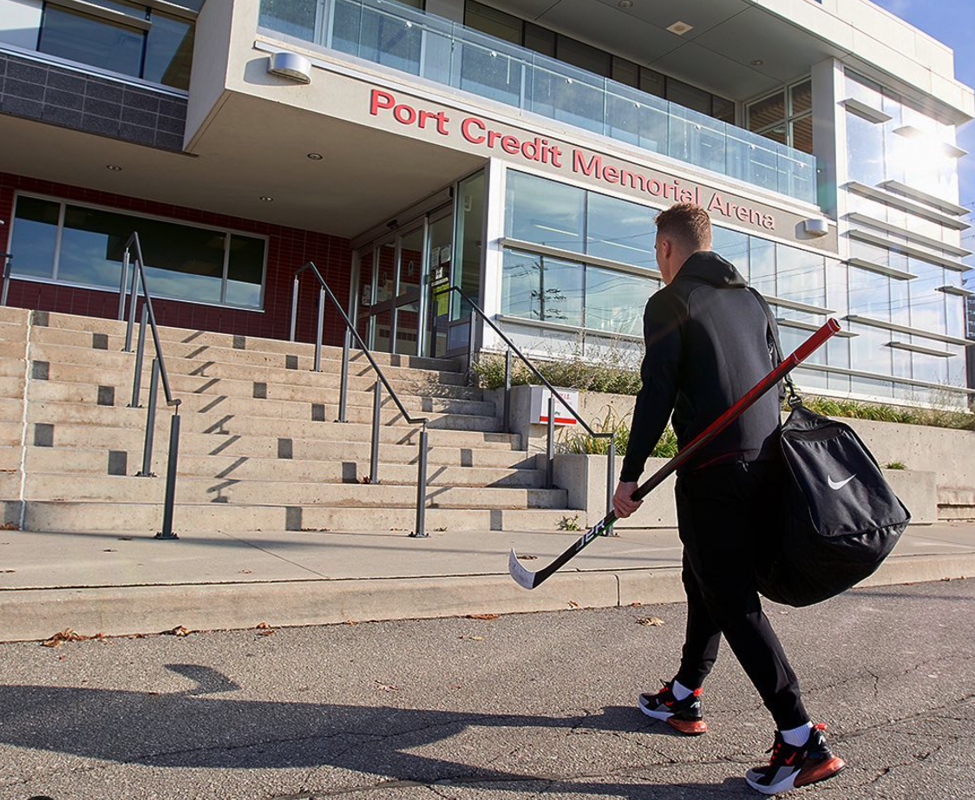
(64, 203)
(790, 117)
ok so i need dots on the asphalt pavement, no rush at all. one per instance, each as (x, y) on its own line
(537, 705)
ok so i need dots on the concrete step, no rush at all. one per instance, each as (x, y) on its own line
(12, 386)
(145, 519)
(237, 379)
(479, 454)
(62, 430)
(14, 315)
(11, 409)
(10, 456)
(13, 331)
(200, 363)
(10, 433)
(98, 462)
(124, 489)
(178, 342)
(13, 350)
(10, 485)
(241, 393)
(229, 415)
(13, 367)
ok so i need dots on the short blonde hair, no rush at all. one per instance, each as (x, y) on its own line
(689, 224)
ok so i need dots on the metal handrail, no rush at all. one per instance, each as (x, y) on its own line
(553, 393)
(350, 331)
(158, 370)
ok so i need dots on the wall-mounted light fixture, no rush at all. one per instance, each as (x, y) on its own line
(291, 66)
(816, 227)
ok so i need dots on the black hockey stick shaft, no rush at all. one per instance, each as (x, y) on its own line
(532, 579)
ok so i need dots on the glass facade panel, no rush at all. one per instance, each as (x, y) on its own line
(927, 304)
(767, 112)
(869, 293)
(865, 147)
(545, 212)
(542, 288)
(169, 51)
(800, 276)
(91, 40)
(761, 264)
(291, 17)
(620, 230)
(35, 237)
(491, 21)
(183, 262)
(615, 300)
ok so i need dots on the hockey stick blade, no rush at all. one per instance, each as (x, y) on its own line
(529, 580)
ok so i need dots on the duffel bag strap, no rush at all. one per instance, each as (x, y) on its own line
(775, 348)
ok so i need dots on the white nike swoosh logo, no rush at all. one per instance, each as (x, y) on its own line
(835, 486)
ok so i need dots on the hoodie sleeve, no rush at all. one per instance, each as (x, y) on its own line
(659, 373)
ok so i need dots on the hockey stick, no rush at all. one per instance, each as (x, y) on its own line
(529, 580)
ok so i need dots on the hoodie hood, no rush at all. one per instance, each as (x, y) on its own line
(709, 267)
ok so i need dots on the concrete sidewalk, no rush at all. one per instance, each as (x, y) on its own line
(112, 584)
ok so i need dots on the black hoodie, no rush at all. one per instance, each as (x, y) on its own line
(707, 345)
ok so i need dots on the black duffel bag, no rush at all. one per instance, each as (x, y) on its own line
(840, 518)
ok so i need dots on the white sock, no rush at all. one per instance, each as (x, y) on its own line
(680, 691)
(797, 736)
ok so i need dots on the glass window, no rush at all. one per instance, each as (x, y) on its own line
(544, 211)
(245, 271)
(800, 275)
(584, 56)
(732, 246)
(688, 96)
(927, 303)
(761, 263)
(766, 112)
(35, 236)
(91, 40)
(802, 134)
(615, 300)
(865, 149)
(653, 82)
(540, 39)
(493, 22)
(183, 262)
(626, 72)
(620, 230)
(801, 98)
(723, 109)
(292, 17)
(169, 51)
(542, 288)
(869, 293)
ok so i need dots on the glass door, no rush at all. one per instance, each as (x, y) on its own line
(409, 279)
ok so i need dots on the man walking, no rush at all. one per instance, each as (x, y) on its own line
(708, 342)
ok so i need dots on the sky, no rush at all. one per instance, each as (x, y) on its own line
(951, 22)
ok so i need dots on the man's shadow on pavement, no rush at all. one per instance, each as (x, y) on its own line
(194, 729)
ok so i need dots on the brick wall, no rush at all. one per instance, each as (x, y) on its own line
(288, 249)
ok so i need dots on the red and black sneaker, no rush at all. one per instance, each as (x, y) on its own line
(685, 716)
(792, 767)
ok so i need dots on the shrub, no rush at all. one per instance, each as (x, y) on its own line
(578, 441)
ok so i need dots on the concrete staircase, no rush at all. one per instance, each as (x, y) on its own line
(259, 447)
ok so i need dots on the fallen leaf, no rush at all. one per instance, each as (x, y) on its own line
(268, 632)
(8, 571)
(637, 604)
(125, 538)
(262, 626)
(67, 635)
(179, 630)
(573, 604)
(472, 638)
(386, 687)
(522, 557)
(482, 616)
(9, 526)
(109, 551)
(245, 572)
(351, 622)
(654, 622)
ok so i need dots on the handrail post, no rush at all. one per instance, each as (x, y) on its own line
(507, 391)
(420, 532)
(7, 261)
(470, 349)
(611, 477)
(344, 386)
(150, 422)
(121, 286)
(321, 326)
(550, 445)
(139, 353)
(377, 399)
(133, 300)
(170, 501)
(294, 307)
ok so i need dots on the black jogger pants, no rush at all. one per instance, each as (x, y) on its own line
(726, 513)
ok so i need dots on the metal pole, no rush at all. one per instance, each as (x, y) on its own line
(344, 387)
(550, 445)
(121, 286)
(170, 502)
(421, 488)
(294, 308)
(470, 348)
(150, 422)
(7, 259)
(321, 326)
(377, 399)
(139, 352)
(133, 299)
(507, 391)
(611, 475)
